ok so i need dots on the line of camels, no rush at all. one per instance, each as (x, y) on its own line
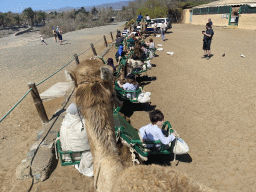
(93, 82)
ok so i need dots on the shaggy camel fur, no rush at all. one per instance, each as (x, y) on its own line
(93, 82)
(137, 50)
(132, 64)
(143, 26)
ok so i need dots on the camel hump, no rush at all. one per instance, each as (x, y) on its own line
(92, 63)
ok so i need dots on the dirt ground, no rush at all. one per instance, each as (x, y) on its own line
(210, 103)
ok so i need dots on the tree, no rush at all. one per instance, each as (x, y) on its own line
(71, 14)
(82, 10)
(94, 11)
(41, 16)
(30, 14)
(17, 19)
(2, 19)
(8, 20)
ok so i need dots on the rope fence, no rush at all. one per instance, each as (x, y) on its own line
(15, 106)
(34, 88)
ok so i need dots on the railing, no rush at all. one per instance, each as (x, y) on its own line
(33, 89)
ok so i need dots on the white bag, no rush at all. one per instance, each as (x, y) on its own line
(151, 55)
(148, 94)
(149, 66)
(142, 98)
(180, 147)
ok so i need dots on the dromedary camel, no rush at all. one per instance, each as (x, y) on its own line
(93, 81)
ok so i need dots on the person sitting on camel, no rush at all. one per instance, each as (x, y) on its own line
(73, 137)
(153, 132)
(130, 85)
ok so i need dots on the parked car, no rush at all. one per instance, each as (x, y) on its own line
(167, 23)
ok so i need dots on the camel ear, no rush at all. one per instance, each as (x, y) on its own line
(72, 76)
(106, 73)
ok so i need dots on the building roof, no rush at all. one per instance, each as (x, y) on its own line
(251, 3)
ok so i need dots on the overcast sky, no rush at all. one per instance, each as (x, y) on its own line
(16, 6)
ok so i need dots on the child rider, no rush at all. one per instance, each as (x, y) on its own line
(153, 132)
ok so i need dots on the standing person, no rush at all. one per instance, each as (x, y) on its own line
(60, 36)
(207, 40)
(57, 31)
(162, 27)
(54, 34)
(210, 22)
(42, 40)
(155, 28)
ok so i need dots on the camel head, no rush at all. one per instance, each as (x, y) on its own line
(93, 81)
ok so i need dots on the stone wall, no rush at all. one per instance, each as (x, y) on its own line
(185, 18)
(217, 19)
(247, 21)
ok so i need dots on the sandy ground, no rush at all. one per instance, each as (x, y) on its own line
(210, 103)
(32, 62)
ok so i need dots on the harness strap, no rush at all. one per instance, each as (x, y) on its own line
(134, 160)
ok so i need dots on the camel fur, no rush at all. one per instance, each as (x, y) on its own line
(132, 64)
(93, 81)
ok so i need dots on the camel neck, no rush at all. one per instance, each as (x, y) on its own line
(106, 162)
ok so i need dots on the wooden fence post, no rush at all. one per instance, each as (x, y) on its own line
(76, 58)
(38, 103)
(93, 49)
(106, 43)
(111, 36)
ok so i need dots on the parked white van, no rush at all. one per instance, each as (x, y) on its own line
(167, 23)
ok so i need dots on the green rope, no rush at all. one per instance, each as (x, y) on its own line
(98, 41)
(44, 81)
(15, 105)
(55, 72)
(101, 58)
(84, 51)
